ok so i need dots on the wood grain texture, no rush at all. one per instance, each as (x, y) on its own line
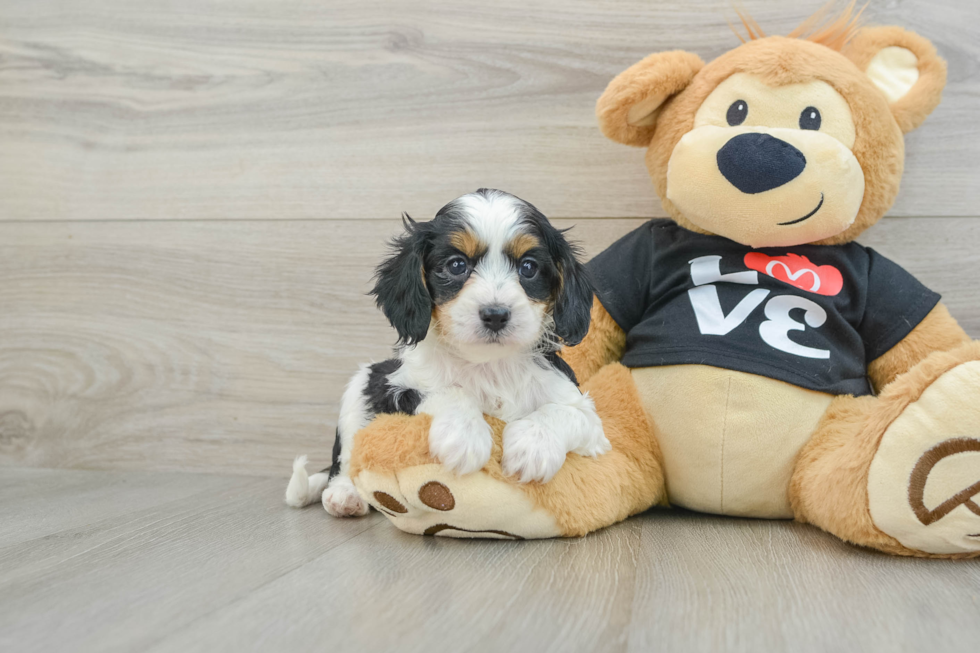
(230, 568)
(72, 500)
(121, 581)
(712, 584)
(224, 346)
(203, 109)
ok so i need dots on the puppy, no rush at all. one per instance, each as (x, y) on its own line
(482, 298)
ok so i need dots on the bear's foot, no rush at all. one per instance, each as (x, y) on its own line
(924, 479)
(431, 500)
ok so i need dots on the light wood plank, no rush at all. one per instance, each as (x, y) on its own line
(394, 592)
(205, 109)
(111, 582)
(714, 583)
(72, 500)
(224, 346)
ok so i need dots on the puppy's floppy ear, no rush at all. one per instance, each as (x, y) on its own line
(905, 68)
(400, 284)
(628, 108)
(573, 295)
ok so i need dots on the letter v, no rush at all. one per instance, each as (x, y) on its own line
(707, 309)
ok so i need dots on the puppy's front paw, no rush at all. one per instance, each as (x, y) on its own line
(595, 443)
(592, 441)
(461, 442)
(597, 446)
(531, 451)
(342, 500)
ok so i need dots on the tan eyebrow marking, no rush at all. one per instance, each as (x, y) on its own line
(522, 244)
(468, 243)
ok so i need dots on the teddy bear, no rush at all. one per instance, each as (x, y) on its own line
(748, 357)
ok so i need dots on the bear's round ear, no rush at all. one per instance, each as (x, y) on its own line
(628, 108)
(905, 68)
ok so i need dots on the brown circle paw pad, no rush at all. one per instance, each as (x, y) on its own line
(437, 496)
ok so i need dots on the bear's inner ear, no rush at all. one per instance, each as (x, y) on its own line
(628, 108)
(894, 70)
(644, 113)
(904, 67)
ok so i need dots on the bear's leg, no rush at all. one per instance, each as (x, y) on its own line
(900, 472)
(393, 471)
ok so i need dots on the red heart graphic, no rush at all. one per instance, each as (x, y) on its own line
(798, 271)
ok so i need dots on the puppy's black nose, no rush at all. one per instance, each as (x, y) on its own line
(495, 318)
(754, 163)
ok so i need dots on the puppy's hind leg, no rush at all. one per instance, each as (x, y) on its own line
(339, 496)
(341, 499)
(304, 490)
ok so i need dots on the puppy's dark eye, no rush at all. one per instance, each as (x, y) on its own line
(528, 268)
(810, 118)
(737, 112)
(457, 266)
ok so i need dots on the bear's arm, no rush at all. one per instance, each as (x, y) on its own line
(604, 344)
(938, 331)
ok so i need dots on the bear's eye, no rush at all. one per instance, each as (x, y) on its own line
(810, 118)
(737, 112)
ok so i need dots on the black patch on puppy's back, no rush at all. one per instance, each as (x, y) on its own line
(384, 398)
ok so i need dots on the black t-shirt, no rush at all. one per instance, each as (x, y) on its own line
(810, 315)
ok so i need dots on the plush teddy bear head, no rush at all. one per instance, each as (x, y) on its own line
(784, 140)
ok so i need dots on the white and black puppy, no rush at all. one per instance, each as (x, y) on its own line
(483, 297)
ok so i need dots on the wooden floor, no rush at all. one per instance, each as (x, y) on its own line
(125, 561)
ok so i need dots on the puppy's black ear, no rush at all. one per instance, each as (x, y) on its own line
(400, 284)
(573, 295)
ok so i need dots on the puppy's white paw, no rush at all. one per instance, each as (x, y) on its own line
(531, 451)
(460, 441)
(596, 443)
(597, 447)
(342, 500)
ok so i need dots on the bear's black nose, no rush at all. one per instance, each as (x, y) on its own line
(755, 163)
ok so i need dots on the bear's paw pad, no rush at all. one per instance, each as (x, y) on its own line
(431, 500)
(924, 481)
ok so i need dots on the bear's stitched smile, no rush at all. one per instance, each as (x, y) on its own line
(805, 217)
